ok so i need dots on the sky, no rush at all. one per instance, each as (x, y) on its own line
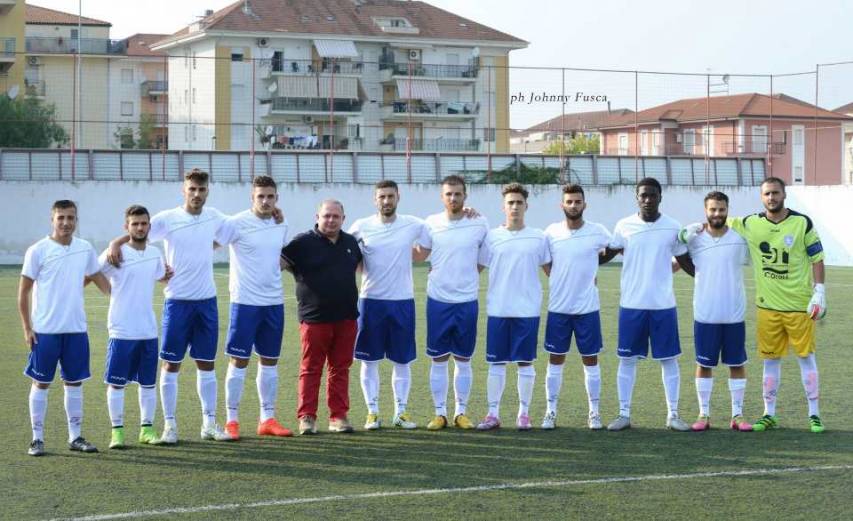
(718, 37)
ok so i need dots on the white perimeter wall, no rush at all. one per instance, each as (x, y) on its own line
(25, 207)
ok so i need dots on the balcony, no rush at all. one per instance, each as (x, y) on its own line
(442, 110)
(60, 45)
(391, 71)
(7, 54)
(312, 106)
(6, 6)
(155, 88)
(158, 119)
(433, 145)
(324, 66)
(35, 88)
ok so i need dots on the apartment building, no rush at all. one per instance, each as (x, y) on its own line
(12, 15)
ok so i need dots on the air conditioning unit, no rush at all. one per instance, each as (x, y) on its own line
(263, 42)
(33, 60)
(414, 55)
(307, 119)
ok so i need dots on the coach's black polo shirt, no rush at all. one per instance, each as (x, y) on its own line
(325, 275)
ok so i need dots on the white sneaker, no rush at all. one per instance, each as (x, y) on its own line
(675, 423)
(169, 437)
(404, 421)
(620, 423)
(215, 433)
(549, 422)
(594, 422)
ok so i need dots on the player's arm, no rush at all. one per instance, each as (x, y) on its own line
(100, 281)
(420, 254)
(685, 262)
(817, 304)
(114, 250)
(547, 269)
(608, 254)
(168, 273)
(25, 291)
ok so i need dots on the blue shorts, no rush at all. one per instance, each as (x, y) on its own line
(258, 327)
(451, 328)
(131, 361)
(193, 324)
(386, 329)
(639, 327)
(714, 342)
(71, 350)
(586, 328)
(511, 339)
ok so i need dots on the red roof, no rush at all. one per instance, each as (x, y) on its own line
(43, 16)
(140, 44)
(845, 109)
(577, 121)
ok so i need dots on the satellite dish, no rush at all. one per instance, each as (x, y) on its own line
(272, 87)
(13, 92)
(726, 79)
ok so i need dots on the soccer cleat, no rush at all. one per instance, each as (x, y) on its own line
(489, 423)
(766, 423)
(169, 436)
(815, 425)
(523, 422)
(340, 425)
(271, 427)
(739, 424)
(437, 423)
(79, 444)
(594, 422)
(675, 423)
(703, 423)
(147, 435)
(36, 448)
(233, 429)
(215, 433)
(404, 421)
(550, 421)
(460, 421)
(372, 423)
(117, 438)
(620, 423)
(307, 425)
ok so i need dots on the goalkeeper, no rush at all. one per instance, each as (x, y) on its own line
(789, 292)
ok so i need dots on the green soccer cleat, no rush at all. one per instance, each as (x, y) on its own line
(117, 438)
(147, 435)
(766, 423)
(816, 425)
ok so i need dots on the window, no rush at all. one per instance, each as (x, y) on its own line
(194, 132)
(489, 135)
(126, 138)
(127, 75)
(236, 57)
(623, 144)
(708, 139)
(186, 97)
(759, 139)
(278, 61)
(689, 141)
(127, 108)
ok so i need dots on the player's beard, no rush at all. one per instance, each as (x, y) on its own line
(573, 217)
(139, 241)
(717, 223)
(388, 211)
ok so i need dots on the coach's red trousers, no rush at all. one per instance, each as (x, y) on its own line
(321, 342)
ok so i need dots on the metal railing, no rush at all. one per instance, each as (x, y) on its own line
(158, 87)
(7, 47)
(314, 105)
(435, 107)
(287, 66)
(62, 45)
(430, 70)
(436, 145)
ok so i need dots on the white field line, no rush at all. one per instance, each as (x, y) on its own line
(442, 491)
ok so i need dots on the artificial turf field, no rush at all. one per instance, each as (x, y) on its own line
(571, 472)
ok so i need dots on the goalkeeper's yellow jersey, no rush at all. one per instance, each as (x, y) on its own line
(782, 257)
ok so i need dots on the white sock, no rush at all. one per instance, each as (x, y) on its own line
(737, 388)
(370, 385)
(401, 382)
(205, 385)
(169, 397)
(671, 383)
(235, 378)
(147, 405)
(462, 376)
(495, 384)
(267, 381)
(553, 383)
(115, 405)
(74, 410)
(808, 374)
(526, 379)
(592, 380)
(772, 373)
(625, 377)
(704, 387)
(38, 408)
(438, 386)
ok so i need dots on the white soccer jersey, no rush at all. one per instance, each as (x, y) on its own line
(58, 272)
(188, 241)
(131, 314)
(719, 296)
(387, 250)
(455, 245)
(255, 248)
(514, 259)
(647, 266)
(574, 265)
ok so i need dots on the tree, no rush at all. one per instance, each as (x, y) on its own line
(27, 122)
(580, 144)
(142, 138)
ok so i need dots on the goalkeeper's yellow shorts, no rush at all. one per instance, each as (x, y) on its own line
(777, 331)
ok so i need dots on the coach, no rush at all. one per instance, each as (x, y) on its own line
(324, 262)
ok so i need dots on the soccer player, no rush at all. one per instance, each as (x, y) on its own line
(719, 304)
(647, 314)
(513, 254)
(190, 316)
(452, 243)
(386, 322)
(787, 258)
(132, 326)
(573, 304)
(255, 240)
(55, 325)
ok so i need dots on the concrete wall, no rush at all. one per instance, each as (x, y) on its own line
(24, 207)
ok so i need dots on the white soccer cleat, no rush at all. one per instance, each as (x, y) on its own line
(675, 423)
(404, 421)
(169, 437)
(549, 422)
(215, 433)
(620, 423)
(594, 422)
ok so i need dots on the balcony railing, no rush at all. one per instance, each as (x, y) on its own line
(435, 145)
(430, 70)
(285, 66)
(314, 105)
(154, 88)
(7, 48)
(438, 108)
(61, 45)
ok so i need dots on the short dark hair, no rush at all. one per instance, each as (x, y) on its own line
(773, 179)
(649, 181)
(63, 204)
(515, 188)
(136, 209)
(197, 175)
(386, 183)
(455, 180)
(717, 196)
(263, 181)
(574, 188)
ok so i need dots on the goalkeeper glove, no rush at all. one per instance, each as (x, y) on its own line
(689, 232)
(817, 305)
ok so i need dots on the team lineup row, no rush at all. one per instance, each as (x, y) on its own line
(340, 322)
